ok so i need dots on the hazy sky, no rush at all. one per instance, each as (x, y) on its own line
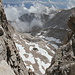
(56, 3)
(37, 0)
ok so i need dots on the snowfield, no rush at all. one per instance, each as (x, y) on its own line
(36, 55)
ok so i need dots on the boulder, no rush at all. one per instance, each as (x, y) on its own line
(5, 69)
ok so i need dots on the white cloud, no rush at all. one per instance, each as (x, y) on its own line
(14, 12)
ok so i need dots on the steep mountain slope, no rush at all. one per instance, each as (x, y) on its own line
(60, 19)
(57, 26)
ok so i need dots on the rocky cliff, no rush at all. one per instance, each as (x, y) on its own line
(8, 50)
(63, 62)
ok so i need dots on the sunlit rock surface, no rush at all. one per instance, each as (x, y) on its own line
(5, 69)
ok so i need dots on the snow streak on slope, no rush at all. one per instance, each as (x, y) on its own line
(36, 55)
(22, 52)
(50, 40)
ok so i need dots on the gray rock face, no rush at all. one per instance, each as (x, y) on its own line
(8, 50)
(60, 19)
(29, 17)
(56, 27)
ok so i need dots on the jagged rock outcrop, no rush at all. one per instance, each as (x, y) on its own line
(8, 50)
(63, 62)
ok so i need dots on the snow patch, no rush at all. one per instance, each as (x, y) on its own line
(46, 39)
(30, 48)
(50, 49)
(47, 47)
(42, 65)
(31, 67)
(41, 51)
(22, 52)
(53, 39)
(55, 46)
